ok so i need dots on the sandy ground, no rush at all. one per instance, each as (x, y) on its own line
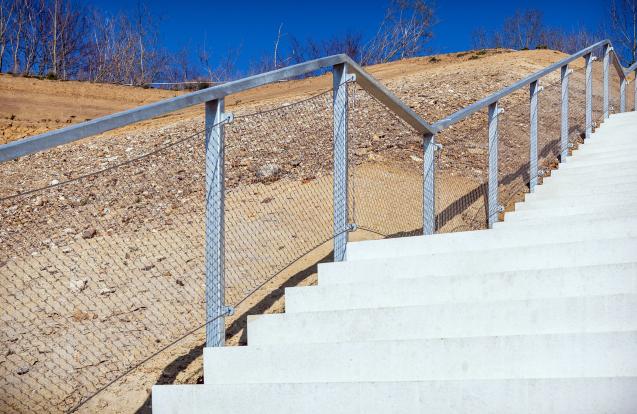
(103, 272)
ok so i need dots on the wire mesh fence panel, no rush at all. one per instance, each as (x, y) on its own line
(461, 175)
(549, 124)
(279, 201)
(386, 169)
(598, 92)
(630, 93)
(614, 90)
(513, 149)
(576, 107)
(98, 272)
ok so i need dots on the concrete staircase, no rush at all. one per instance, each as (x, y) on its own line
(538, 315)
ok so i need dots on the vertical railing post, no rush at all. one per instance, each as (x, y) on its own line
(565, 72)
(428, 190)
(589, 94)
(606, 51)
(635, 90)
(622, 95)
(214, 223)
(339, 76)
(533, 170)
(492, 189)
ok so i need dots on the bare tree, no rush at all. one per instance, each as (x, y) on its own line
(523, 30)
(623, 21)
(276, 45)
(6, 14)
(403, 32)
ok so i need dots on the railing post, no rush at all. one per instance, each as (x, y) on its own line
(565, 72)
(533, 135)
(428, 190)
(635, 91)
(622, 95)
(339, 77)
(492, 189)
(589, 94)
(606, 51)
(214, 225)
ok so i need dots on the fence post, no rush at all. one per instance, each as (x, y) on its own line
(589, 95)
(606, 51)
(214, 224)
(533, 134)
(564, 125)
(492, 190)
(635, 91)
(339, 77)
(429, 185)
(622, 95)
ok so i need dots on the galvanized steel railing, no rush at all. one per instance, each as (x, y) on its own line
(343, 70)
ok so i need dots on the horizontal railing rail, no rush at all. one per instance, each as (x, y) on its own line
(96, 126)
(497, 96)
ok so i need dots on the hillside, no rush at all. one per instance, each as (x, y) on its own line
(30, 106)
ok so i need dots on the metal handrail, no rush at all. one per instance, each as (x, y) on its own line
(96, 126)
(495, 97)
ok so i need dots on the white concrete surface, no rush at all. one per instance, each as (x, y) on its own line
(503, 396)
(610, 228)
(571, 281)
(576, 192)
(585, 253)
(556, 220)
(451, 320)
(599, 208)
(580, 355)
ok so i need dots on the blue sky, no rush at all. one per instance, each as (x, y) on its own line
(253, 25)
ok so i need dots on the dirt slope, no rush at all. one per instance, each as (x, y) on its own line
(30, 106)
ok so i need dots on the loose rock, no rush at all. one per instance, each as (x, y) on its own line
(89, 233)
(268, 171)
(78, 285)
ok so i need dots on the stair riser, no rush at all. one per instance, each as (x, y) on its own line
(563, 190)
(487, 261)
(619, 178)
(522, 285)
(596, 173)
(603, 208)
(601, 163)
(485, 239)
(549, 221)
(540, 316)
(546, 396)
(541, 356)
(609, 195)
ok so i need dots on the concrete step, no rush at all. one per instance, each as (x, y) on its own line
(586, 253)
(599, 202)
(568, 190)
(602, 148)
(607, 154)
(548, 214)
(570, 281)
(592, 164)
(549, 221)
(502, 396)
(601, 171)
(483, 239)
(454, 320)
(580, 355)
(584, 180)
